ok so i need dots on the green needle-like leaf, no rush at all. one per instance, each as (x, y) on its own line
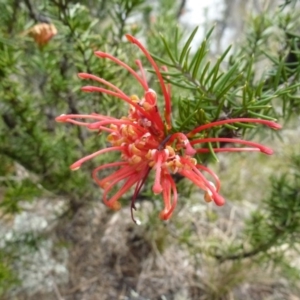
(187, 45)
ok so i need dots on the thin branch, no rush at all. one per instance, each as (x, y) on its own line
(181, 8)
(37, 17)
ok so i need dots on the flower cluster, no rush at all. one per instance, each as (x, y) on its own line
(146, 142)
(42, 33)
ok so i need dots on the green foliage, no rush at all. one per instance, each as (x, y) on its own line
(229, 86)
(16, 192)
(278, 222)
(7, 277)
(274, 227)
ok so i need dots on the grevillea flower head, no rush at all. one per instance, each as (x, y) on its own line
(147, 143)
(42, 33)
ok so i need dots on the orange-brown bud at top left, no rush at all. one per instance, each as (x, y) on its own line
(42, 33)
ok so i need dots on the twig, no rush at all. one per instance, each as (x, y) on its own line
(82, 286)
(181, 8)
(37, 17)
(56, 291)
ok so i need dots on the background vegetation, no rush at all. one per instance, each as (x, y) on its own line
(58, 241)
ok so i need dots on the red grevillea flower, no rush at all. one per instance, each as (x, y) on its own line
(146, 142)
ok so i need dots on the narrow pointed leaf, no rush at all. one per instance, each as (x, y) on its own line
(187, 45)
(168, 49)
